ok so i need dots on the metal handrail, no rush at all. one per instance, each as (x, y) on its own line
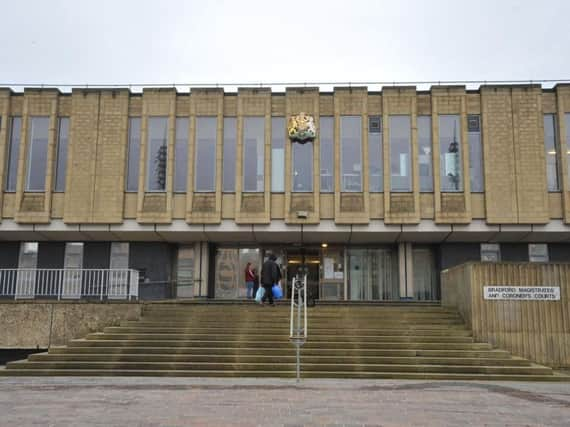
(298, 328)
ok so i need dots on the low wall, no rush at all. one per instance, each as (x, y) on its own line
(36, 324)
(536, 330)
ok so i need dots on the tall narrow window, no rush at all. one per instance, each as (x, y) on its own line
(157, 159)
(205, 158)
(278, 154)
(38, 131)
(14, 151)
(119, 257)
(326, 139)
(302, 167)
(425, 156)
(61, 162)
(229, 163)
(351, 153)
(450, 153)
(567, 120)
(134, 153)
(538, 252)
(181, 155)
(375, 154)
(475, 153)
(552, 172)
(28, 255)
(73, 255)
(400, 151)
(253, 153)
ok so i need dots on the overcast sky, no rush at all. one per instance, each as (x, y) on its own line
(151, 41)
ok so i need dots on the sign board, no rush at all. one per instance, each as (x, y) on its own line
(522, 293)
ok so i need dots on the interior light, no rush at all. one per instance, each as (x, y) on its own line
(324, 245)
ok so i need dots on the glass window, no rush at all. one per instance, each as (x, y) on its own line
(475, 153)
(157, 153)
(14, 150)
(38, 130)
(538, 252)
(373, 275)
(552, 172)
(134, 154)
(181, 155)
(351, 153)
(185, 272)
(400, 151)
(490, 252)
(61, 162)
(205, 159)
(229, 162)
(326, 139)
(278, 154)
(567, 120)
(73, 255)
(425, 276)
(119, 255)
(253, 153)
(28, 255)
(302, 173)
(375, 154)
(425, 154)
(450, 153)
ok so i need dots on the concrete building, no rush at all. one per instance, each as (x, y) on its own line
(186, 188)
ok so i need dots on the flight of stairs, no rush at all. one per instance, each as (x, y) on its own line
(246, 340)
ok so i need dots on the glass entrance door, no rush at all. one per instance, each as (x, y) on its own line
(309, 258)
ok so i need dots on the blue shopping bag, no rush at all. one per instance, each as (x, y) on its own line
(277, 291)
(259, 294)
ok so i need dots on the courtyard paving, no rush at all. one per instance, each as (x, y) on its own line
(266, 402)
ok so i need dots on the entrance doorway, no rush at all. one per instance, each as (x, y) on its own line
(309, 258)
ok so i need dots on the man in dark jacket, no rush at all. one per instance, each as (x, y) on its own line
(270, 274)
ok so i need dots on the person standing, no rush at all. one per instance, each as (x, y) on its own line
(249, 280)
(270, 274)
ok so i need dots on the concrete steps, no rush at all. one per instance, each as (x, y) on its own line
(230, 340)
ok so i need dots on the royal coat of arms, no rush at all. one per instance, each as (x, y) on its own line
(301, 128)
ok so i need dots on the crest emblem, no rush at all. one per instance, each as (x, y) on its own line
(301, 128)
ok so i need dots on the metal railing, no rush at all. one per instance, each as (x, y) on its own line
(298, 327)
(69, 283)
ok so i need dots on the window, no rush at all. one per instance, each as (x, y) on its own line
(253, 154)
(14, 151)
(450, 153)
(73, 255)
(278, 154)
(400, 150)
(185, 270)
(552, 172)
(181, 155)
(326, 139)
(229, 162)
(375, 154)
(490, 252)
(157, 153)
(205, 159)
(538, 252)
(475, 153)
(351, 153)
(28, 255)
(61, 161)
(302, 165)
(425, 156)
(119, 255)
(38, 130)
(567, 120)
(134, 154)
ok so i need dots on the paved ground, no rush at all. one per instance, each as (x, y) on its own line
(266, 402)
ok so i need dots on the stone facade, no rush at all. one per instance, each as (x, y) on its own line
(512, 139)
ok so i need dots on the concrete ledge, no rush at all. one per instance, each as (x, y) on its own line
(41, 324)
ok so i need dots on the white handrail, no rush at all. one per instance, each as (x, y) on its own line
(298, 329)
(69, 283)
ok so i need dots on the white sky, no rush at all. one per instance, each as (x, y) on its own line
(152, 41)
